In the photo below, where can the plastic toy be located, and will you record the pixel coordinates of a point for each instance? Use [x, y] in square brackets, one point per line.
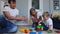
[40, 32]
[32, 33]
[32, 29]
[24, 30]
[39, 27]
[49, 31]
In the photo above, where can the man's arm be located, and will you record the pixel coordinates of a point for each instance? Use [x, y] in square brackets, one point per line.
[6, 13]
[21, 17]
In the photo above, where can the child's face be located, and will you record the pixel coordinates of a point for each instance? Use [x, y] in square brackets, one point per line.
[34, 12]
[45, 17]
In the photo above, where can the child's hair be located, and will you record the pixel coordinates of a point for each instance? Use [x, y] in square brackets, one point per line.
[46, 13]
[31, 10]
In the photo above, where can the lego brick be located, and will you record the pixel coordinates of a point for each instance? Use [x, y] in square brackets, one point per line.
[32, 33]
[40, 32]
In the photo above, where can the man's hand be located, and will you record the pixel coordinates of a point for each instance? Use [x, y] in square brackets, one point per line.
[23, 18]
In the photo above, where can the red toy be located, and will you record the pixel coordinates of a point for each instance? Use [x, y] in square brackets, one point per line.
[39, 27]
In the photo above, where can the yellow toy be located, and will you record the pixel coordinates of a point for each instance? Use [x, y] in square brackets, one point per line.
[24, 30]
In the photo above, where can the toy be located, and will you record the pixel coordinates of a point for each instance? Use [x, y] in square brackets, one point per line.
[32, 33]
[24, 30]
[40, 32]
[39, 27]
[49, 31]
[32, 29]
[57, 31]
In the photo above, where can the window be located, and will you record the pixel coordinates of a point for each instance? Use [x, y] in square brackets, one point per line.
[35, 4]
[56, 4]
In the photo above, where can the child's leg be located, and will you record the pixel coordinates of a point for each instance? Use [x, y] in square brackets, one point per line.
[44, 26]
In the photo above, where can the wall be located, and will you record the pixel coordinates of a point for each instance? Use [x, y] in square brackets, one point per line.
[22, 5]
[45, 5]
[1, 6]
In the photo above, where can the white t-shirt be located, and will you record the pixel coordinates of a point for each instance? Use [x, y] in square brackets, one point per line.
[49, 22]
[13, 12]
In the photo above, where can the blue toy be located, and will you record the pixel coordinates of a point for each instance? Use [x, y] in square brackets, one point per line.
[40, 32]
[32, 29]
[32, 33]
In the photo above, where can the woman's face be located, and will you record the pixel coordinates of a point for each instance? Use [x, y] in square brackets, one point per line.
[34, 12]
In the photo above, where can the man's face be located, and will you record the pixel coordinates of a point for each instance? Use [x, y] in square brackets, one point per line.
[13, 5]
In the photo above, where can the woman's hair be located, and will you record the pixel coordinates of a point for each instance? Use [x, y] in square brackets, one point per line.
[40, 17]
[31, 10]
[46, 13]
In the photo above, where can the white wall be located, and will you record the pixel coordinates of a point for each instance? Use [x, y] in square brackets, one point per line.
[22, 5]
[51, 6]
[45, 5]
[1, 6]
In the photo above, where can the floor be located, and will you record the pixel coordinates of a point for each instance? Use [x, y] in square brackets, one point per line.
[43, 32]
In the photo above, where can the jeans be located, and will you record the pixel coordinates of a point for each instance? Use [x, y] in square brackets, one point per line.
[8, 27]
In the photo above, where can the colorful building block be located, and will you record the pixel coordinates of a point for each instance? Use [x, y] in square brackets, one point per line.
[39, 27]
[32, 33]
[40, 32]
[32, 29]
[22, 29]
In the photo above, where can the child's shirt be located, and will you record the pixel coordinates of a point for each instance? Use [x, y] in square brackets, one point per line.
[48, 23]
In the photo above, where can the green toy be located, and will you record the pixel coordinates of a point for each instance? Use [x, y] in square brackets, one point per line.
[39, 27]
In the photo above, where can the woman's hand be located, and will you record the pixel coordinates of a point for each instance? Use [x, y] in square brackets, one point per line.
[39, 22]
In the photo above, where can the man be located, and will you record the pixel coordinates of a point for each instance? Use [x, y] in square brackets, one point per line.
[12, 14]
